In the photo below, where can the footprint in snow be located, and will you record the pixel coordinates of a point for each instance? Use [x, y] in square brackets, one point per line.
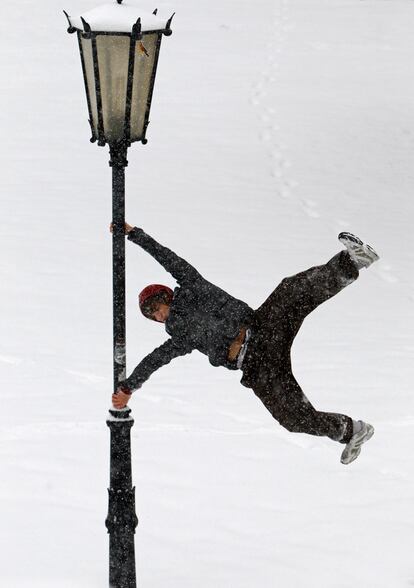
[285, 192]
[277, 173]
[309, 207]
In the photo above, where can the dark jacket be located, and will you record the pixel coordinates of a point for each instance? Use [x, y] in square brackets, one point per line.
[202, 316]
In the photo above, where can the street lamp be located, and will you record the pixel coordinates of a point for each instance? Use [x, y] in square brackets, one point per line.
[119, 48]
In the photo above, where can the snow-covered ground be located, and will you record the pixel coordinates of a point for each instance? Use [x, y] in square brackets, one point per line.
[275, 125]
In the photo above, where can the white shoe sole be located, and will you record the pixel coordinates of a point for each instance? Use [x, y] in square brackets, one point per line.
[362, 253]
[353, 447]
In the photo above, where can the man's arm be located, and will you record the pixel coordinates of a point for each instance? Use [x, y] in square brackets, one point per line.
[156, 359]
[152, 362]
[180, 269]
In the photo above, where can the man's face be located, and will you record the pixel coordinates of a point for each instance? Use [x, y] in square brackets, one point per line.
[161, 312]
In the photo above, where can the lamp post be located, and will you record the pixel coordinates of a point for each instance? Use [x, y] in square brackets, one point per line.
[119, 49]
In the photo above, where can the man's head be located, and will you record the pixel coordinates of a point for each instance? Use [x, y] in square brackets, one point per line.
[154, 302]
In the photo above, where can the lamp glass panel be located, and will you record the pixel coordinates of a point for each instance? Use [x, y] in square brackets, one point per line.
[144, 65]
[90, 80]
[113, 58]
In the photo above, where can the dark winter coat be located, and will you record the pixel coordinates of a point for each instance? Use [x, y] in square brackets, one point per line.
[202, 316]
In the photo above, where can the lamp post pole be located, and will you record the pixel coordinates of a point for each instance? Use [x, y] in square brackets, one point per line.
[118, 162]
[121, 520]
[119, 50]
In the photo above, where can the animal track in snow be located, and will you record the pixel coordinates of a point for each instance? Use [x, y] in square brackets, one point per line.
[270, 131]
[310, 208]
[264, 88]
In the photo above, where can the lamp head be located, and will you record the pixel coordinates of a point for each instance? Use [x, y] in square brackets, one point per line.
[119, 49]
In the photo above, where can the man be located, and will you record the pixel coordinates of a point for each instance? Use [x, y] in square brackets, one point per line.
[199, 315]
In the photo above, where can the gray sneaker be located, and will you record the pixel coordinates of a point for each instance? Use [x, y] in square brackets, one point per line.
[361, 253]
[353, 447]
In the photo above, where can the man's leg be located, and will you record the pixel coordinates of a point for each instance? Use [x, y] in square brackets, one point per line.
[267, 368]
[298, 295]
[278, 319]
[310, 288]
[285, 400]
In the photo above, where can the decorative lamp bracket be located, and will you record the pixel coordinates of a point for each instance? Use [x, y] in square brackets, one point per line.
[136, 30]
[87, 34]
[71, 28]
[168, 30]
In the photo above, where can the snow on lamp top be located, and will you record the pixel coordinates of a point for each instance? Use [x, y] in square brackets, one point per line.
[119, 18]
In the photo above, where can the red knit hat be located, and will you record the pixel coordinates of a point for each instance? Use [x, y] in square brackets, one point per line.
[150, 291]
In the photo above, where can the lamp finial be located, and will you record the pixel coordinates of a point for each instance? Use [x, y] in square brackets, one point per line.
[71, 28]
[86, 25]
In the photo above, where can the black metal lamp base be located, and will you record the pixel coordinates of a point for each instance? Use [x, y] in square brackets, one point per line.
[121, 521]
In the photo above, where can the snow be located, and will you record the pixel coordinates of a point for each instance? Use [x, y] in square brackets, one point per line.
[273, 128]
[119, 18]
[117, 419]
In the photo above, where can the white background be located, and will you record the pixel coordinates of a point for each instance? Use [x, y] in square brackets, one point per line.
[274, 126]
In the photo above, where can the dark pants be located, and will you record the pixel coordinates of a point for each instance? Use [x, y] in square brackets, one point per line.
[267, 365]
